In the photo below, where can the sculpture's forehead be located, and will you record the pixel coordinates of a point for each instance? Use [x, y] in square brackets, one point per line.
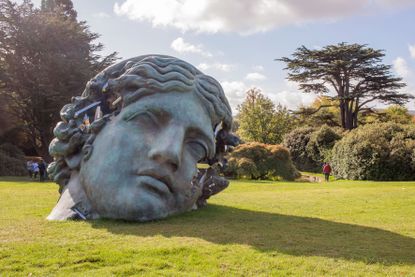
[184, 108]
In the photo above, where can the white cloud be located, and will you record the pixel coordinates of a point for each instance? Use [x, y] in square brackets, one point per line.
[101, 15]
[401, 67]
[412, 50]
[181, 46]
[219, 66]
[255, 76]
[244, 16]
[258, 68]
[292, 99]
[235, 92]
[223, 66]
[203, 66]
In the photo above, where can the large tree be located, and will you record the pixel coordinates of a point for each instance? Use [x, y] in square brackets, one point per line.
[260, 120]
[46, 57]
[353, 72]
[323, 111]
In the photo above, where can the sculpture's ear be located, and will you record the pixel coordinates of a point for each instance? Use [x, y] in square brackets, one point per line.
[87, 151]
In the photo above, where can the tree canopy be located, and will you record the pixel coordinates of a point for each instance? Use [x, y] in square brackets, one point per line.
[260, 120]
[46, 57]
[61, 6]
[353, 72]
[323, 111]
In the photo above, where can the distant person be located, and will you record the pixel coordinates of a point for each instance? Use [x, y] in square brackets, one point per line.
[29, 168]
[326, 171]
[42, 170]
[35, 169]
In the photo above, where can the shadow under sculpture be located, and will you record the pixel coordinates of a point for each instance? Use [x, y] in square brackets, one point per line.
[128, 147]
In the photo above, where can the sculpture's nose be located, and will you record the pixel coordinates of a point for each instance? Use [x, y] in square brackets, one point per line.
[167, 147]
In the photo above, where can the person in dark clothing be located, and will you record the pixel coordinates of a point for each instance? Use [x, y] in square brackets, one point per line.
[326, 171]
[42, 170]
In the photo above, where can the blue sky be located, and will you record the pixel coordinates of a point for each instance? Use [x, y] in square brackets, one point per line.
[236, 41]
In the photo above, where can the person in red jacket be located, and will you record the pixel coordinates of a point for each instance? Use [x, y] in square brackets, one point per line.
[326, 171]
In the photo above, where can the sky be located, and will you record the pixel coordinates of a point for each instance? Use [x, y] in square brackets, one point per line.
[237, 41]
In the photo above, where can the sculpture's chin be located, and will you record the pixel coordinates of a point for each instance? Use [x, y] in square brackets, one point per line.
[140, 205]
[140, 202]
[73, 202]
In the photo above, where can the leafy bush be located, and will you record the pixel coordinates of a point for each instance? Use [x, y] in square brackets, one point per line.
[381, 151]
[296, 141]
[261, 161]
[321, 142]
[12, 161]
[310, 147]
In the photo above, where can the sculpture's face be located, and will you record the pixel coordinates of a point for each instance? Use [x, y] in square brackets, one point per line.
[142, 163]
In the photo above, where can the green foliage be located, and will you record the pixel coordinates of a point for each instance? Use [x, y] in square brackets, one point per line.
[261, 121]
[46, 57]
[383, 151]
[397, 114]
[393, 113]
[321, 142]
[324, 110]
[261, 161]
[354, 71]
[16, 136]
[12, 161]
[310, 147]
[59, 6]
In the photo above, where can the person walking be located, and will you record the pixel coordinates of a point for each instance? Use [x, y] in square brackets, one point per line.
[326, 171]
[42, 170]
[35, 169]
[29, 168]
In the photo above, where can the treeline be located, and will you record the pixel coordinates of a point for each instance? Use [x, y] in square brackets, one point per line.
[339, 127]
[382, 147]
[46, 57]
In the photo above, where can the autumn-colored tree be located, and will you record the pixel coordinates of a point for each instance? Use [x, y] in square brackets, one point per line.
[323, 111]
[261, 161]
[397, 114]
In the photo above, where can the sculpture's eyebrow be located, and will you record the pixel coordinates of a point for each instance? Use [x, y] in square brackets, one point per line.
[160, 114]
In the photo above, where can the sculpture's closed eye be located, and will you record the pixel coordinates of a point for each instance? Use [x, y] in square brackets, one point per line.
[144, 117]
[198, 149]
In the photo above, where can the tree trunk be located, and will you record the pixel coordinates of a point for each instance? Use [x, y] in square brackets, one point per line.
[355, 113]
[348, 116]
[43, 149]
[355, 123]
[342, 114]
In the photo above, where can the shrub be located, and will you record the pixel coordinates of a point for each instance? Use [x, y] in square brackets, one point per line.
[296, 141]
[379, 151]
[280, 163]
[321, 142]
[12, 161]
[261, 161]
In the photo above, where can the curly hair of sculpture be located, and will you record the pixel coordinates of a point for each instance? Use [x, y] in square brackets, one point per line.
[129, 146]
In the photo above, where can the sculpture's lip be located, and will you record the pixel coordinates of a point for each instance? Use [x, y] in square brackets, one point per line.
[159, 181]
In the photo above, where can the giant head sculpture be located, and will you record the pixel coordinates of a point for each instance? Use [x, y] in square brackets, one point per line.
[129, 146]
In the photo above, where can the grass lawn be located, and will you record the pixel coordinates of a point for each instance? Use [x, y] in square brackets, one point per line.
[253, 228]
